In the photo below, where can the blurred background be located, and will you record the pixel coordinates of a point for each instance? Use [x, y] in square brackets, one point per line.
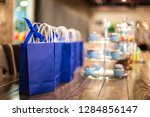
[114, 48]
[84, 15]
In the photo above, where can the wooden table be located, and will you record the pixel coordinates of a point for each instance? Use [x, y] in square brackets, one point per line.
[135, 87]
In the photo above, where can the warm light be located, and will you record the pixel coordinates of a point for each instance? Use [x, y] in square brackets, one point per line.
[124, 0]
[24, 3]
[98, 1]
[18, 9]
[138, 25]
[118, 25]
[129, 28]
[145, 25]
[108, 23]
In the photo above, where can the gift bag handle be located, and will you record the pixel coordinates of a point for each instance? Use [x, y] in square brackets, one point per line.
[55, 34]
[33, 31]
[64, 32]
[40, 27]
[50, 33]
[78, 35]
[72, 34]
[43, 30]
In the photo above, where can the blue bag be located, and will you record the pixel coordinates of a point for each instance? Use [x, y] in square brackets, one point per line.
[81, 56]
[75, 55]
[67, 62]
[75, 36]
[78, 51]
[74, 50]
[38, 72]
[68, 56]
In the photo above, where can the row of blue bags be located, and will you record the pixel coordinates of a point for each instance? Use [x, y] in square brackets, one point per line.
[45, 63]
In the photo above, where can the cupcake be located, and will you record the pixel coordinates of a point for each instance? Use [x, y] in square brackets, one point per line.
[93, 37]
[108, 53]
[93, 54]
[118, 70]
[116, 55]
[89, 70]
[114, 37]
[96, 66]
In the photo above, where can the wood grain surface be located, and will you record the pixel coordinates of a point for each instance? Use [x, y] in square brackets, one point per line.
[88, 90]
[139, 79]
[8, 86]
[135, 87]
[114, 89]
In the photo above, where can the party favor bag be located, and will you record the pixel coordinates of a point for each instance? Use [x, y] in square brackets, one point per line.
[68, 57]
[58, 55]
[81, 53]
[75, 37]
[80, 49]
[73, 41]
[37, 64]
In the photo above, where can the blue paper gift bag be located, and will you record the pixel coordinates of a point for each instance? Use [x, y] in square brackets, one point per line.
[36, 71]
[81, 53]
[40, 65]
[58, 62]
[78, 54]
[67, 62]
[74, 54]
[78, 51]
[40, 68]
